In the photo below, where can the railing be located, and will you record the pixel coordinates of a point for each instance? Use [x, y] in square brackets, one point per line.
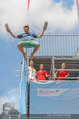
[55, 69]
[57, 45]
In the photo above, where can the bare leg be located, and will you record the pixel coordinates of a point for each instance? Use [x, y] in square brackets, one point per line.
[35, 49]
[22, 50]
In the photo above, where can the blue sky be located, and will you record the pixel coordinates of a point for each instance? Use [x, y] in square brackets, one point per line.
[10, 55]
[66, 3]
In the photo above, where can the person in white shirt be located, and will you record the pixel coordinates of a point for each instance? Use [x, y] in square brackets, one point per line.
[32, 72]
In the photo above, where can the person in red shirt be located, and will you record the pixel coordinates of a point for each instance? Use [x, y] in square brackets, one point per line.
[42, 73]
[62, 72]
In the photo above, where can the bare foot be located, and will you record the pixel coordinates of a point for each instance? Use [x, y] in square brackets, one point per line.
[24, 56]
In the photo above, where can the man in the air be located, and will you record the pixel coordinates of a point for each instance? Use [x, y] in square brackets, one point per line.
[27, 39]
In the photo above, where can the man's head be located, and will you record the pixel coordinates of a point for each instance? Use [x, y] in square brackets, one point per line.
[31, 63]
[41, 66]
[26, 29]
[63, 65]
[6, 108]
[14, 113]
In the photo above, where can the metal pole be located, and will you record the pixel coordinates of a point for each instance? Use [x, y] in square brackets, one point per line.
[64, 78]
[67, 70]
[28, 91]
[66, 58]
[21, 73]
[28, 99]
[53, 65]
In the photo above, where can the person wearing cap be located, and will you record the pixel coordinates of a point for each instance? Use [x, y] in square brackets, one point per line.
[27, 40]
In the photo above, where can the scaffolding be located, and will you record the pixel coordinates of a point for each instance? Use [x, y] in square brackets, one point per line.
[65, 49]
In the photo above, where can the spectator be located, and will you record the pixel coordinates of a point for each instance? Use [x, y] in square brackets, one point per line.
[62, 73]
[32, 72]
[42, 73]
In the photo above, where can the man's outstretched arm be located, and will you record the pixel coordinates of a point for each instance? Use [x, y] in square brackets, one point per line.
[39, 36]
[13, 35]
[44, 28]
[9, 31]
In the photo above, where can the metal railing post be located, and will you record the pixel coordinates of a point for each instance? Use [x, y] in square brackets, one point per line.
[21, 74]
[28, 91]
[53, 69]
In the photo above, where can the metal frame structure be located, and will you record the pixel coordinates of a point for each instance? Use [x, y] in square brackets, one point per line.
[21, 74]
[45, 55]
[28, 91]
[53, 71]
[53, 77]
[58, 45]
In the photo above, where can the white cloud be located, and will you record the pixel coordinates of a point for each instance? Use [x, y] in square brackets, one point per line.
[15, 13]
[12, 97]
